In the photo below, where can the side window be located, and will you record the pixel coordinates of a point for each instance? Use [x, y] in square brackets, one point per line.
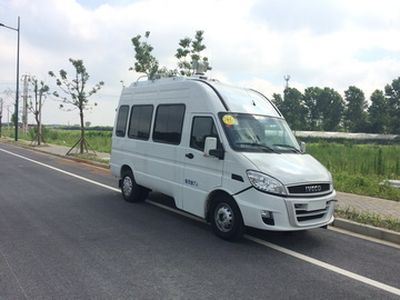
[202, 127]
[140, 122]
[122, 120]
[168, 123]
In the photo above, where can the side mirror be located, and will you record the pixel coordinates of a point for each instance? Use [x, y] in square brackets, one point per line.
[303, 147]
[211, 148]
[210, 144]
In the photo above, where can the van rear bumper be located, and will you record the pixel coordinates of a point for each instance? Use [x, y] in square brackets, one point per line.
[277, 213]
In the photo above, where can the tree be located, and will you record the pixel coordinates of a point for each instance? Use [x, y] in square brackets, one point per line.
[148, 64]
[40, 92]
[392, 92]
[277, 100]
[192, 47]
[145, 61]
[355, 115]
[377, 112]
[13, 118]
[331, 106]
[76, 95]
[314, 114]
[293, 108]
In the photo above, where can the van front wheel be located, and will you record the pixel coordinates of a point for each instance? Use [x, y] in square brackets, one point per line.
[131, 191]
[226, 219]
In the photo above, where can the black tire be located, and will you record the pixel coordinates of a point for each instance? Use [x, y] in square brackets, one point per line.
[131, 191]
[226, 219]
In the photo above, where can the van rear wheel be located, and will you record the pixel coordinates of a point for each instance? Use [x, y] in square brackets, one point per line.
[131, 191]
[226, 219]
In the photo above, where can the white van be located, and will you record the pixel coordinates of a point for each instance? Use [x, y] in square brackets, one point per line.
[223, 153]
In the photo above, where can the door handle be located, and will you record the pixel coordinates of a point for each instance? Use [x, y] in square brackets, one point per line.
[189, 155]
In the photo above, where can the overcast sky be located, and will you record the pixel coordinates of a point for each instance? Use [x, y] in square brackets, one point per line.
[334, 43]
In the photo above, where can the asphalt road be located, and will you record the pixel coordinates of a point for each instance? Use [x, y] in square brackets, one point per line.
[63, 236]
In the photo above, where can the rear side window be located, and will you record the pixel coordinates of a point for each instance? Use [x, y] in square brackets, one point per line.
[140, 122]
[202, 127]
[122, 120]
[168, 123]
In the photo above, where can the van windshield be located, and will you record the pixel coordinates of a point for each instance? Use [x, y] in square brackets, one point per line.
[258, 133]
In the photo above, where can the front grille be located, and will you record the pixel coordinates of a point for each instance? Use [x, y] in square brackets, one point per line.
[303, 215]
[310, 188]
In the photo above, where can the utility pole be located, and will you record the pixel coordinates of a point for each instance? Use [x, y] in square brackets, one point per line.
[25, 79]
[286, 78]
[17, 81]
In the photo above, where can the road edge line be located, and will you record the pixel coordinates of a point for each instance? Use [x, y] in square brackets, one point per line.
[368, 230]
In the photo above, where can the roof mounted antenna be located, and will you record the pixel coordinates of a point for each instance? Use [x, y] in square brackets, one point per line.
[200, 67]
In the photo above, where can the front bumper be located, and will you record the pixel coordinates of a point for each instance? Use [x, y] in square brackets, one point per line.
[288, 213]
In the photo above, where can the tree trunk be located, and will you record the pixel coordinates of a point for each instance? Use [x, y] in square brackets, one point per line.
[82, 140]
[40, 136]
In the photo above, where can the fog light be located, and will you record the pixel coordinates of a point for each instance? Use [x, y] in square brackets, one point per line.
[267, 217]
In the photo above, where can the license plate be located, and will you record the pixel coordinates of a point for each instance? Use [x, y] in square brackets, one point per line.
[316, 205]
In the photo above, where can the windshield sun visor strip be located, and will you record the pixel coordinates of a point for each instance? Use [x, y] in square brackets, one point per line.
[272, 103]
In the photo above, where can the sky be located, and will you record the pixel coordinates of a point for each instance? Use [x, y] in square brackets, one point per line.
[250, 43]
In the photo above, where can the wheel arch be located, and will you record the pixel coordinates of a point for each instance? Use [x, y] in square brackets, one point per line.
[125, 168]
[212, 197]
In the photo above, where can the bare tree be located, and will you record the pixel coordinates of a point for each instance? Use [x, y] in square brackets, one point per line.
[40, 92]
[145, 61]
[76, 96]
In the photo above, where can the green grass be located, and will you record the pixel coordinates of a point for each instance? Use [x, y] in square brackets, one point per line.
[360, 168]
[369, 218]
[100, 141]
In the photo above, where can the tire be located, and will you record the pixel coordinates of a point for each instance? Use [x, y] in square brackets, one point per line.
[226, 219]
[131, 191]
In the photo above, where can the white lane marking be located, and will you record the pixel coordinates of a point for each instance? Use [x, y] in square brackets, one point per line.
[327, 266]
[275, 247]
[62, 171]
[14, 275]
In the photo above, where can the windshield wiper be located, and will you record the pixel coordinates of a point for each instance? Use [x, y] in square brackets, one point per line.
[261, 146]
[294, 149]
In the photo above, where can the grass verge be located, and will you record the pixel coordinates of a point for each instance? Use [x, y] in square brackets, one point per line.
[368, 218]
[367, 185]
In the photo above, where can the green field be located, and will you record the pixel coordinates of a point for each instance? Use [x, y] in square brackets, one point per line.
[100, 141]
[356, 168]
[360, 168]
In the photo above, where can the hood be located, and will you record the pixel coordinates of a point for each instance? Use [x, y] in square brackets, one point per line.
[290, 168]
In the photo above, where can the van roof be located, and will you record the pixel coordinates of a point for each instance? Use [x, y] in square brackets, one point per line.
[233, 98]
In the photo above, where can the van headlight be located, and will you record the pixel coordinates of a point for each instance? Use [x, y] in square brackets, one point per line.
[265, 183]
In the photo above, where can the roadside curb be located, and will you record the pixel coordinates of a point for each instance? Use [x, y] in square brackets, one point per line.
[368, 230]
[80, 160]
